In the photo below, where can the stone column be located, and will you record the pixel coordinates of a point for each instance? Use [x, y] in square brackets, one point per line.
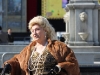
[83, 22]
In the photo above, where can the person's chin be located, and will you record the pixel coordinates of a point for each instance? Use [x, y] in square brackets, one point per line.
[36, 39]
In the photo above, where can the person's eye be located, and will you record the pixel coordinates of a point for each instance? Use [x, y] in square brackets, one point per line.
[38, 29]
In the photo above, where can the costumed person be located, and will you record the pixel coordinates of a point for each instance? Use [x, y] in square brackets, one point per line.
[10, 36]
[45, 55]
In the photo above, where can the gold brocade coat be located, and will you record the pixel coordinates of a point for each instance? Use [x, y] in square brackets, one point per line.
[63, 54]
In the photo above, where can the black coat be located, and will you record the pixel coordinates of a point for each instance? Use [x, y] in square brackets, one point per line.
[10, 38]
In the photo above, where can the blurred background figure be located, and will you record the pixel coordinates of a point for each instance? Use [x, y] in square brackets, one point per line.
[59, 35]
[3, 37]
[10, 36]
[0, 30]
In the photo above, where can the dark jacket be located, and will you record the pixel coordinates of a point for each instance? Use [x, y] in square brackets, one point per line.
[10, 38]
[3, 38]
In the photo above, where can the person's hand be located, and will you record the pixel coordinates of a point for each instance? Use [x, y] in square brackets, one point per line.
[53, 71]
[6, 69]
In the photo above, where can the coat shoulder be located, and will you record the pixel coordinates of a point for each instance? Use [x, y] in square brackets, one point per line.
[59, 43]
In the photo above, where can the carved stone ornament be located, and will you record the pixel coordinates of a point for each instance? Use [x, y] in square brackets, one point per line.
[83, 16]
[66, 17]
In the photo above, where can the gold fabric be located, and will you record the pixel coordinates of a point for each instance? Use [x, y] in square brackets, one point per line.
[41, 64]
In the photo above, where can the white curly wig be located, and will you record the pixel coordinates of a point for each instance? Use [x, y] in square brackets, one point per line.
[43, 22]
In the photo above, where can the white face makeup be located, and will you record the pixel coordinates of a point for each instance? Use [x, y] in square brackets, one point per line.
[37, 33]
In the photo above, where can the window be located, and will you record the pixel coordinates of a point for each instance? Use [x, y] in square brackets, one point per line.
[14, 15]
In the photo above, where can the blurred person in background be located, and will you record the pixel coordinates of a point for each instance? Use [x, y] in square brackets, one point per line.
[60, 37]
[10, 36]
[3, 37]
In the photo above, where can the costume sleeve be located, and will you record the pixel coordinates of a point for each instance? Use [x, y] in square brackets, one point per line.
[70, 63]
[15, 62]
[15, 66]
